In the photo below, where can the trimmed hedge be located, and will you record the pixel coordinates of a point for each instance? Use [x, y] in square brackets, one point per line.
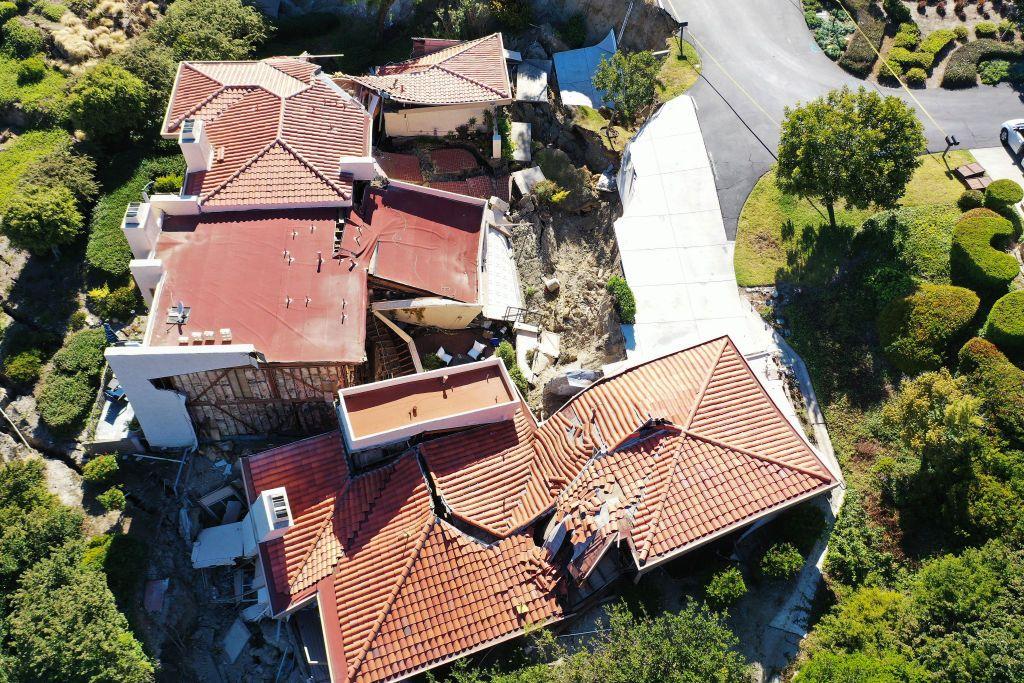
[936, 41]
[973, 258]
[908, 59]
[65, 401]
[916, 331]
[625, 303]
[82, 353]
[1003, 193]
[1005, 324]
[998, 382]
[859, 57]
[971, 199]
[962, 67]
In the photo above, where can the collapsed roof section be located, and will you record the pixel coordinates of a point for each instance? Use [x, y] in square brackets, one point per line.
[658, 459]
[278, 132]
[445, 72]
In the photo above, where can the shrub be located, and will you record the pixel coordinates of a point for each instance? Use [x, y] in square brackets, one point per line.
[622, 295]
[64, 401]
[974, 259]
[112, 499]
[574, 30]
[917, 330]
[916, 76]
[812, 19]
[908, 59]
[993, 71]
[117, 304]
[108, 102]
[725, 588]
[1003, 193]
[546, 190]
[960, 32]
[985, 29]
[909, 36]
[859, 57]
[40, 218]
[936, 41]
[53, 11]
[210, 29]
[23, 367]
[512, 15]
[896, 11]
[962, 67]
[431, 361]
[970, 199]
[100, 469]
[78, 320]
[82, 353]
[168, 184]
[305, 25]
[21, 39]
[31, 70]
[781, 561]
[507, 353]
[1005, 324]
[7, 11]
[998, 382]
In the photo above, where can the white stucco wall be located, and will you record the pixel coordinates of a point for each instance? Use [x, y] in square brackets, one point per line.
[162, 413]
[434, 121]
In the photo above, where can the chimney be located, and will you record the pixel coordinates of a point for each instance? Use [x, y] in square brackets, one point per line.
[195, 146]
[271, 514]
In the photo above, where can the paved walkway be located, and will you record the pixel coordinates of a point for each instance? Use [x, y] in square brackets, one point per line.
[999, 164]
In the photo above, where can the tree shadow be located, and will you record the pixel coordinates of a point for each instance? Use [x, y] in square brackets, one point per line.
[46, 292]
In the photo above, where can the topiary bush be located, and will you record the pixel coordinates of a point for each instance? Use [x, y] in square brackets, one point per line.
[622, 295]
[82, 353]
[23, 367]
[859, 57]
[781, 561]
[916, 76]
[908, 59]
[998, 382]
[100, 469]
[20, 39]
[7, 11]
[971, 199]
[936, 41]
[1005, 324]
[962, 67]
[974, 258]
[725, 588]
[916, 331]
[64, 401]
[985, 29]
[1003, 193]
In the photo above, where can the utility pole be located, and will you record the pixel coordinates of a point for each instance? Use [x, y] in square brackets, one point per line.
[682, 27]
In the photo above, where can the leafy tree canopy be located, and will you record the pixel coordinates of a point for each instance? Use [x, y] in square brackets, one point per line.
[210, 29]
[108, 102]
[629, 81]
[855, 146]
[41, 217]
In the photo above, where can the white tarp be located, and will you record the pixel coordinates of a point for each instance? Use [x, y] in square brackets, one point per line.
[675, 254]
[575, 70]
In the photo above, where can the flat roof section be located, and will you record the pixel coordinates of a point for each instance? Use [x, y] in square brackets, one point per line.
[269, 278]
[443, 394]
[419, 240]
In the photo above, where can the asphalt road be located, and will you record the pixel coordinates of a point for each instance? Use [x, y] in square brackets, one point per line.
[758, 58]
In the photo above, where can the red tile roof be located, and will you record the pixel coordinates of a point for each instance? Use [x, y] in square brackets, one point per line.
[660, 457]
[472, 71]
[452, 160]
[278, 127]
[401, 166]
[230, 269]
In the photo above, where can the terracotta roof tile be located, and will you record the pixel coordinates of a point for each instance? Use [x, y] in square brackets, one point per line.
[278, 121]
[452, 160]
[472, 71]
[619, 464]
[401, 166]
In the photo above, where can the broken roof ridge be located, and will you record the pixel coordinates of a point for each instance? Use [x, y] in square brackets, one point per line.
[827, 478]
[457, 49]
[426, 529]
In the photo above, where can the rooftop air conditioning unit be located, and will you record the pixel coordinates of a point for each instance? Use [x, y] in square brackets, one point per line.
[271, 514]
[131, 214]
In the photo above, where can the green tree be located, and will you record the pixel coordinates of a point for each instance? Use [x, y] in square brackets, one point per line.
[39, 218]
[629, 82]
[210, 29]
[108, 102]
[65, 626]
[64, 166]
[843, 667]
[855, 146]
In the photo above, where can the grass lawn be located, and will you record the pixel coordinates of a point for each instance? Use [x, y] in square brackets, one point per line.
[18, 155]
[678, 73]
[591, 119]
[781, 237]
[43, 97]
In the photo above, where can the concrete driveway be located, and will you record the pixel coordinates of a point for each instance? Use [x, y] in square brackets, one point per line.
[758, 58]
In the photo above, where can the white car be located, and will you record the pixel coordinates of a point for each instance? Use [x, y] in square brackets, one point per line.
[1012, 134]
